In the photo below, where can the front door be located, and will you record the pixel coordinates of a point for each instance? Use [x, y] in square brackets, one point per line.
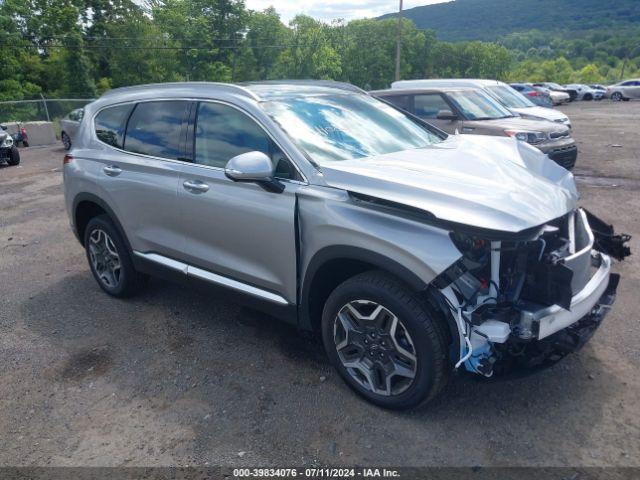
[239, 232]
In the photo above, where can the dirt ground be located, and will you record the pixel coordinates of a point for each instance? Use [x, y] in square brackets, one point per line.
[175, 377]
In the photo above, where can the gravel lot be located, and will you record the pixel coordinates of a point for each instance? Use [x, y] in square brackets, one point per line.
[176, 377]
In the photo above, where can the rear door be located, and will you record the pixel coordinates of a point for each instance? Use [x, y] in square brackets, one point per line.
[238, 234]
[427, 105]
[140, 173]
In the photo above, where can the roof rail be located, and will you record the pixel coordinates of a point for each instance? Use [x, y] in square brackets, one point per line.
[319, 83]
[229, 86]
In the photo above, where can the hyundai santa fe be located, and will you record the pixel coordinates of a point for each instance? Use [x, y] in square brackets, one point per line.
[411, 253]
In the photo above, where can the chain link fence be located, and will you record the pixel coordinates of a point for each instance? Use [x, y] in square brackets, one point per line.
[43, 109]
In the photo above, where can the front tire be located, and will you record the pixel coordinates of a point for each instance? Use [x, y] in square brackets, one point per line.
[386, 342]
[14, 156]
[616, 96]
[109, 258]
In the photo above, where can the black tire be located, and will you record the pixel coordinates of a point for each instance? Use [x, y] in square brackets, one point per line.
[616, 96]
[66, 141]
[588, 97]
[425, 328]
[128, 280]
[14, 156]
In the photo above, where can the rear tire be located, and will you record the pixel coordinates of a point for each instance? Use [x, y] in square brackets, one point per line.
[588, 97]
[109, 258]
[388, 345]
[14, 156]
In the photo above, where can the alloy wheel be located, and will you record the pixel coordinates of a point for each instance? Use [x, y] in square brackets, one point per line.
[375, 347]
[104, 258]
[617, 96]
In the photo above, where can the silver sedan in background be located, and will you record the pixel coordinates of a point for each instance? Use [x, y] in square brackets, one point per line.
[69, 126]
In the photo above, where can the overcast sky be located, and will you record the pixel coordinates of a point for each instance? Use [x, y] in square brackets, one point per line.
[330, 9]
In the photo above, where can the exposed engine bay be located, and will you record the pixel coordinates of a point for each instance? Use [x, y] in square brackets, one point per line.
[530, 299]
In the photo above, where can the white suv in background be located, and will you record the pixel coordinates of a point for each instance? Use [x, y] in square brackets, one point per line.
[510, 98]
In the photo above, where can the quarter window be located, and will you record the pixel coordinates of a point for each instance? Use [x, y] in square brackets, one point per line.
[222, 132]
[110, 124]
[155, 129]
[428, 106]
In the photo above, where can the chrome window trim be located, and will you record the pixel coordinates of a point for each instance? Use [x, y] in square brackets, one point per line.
[304, 180]
[192, 271]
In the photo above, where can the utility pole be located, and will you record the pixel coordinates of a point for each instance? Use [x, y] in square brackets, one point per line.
[398, 41]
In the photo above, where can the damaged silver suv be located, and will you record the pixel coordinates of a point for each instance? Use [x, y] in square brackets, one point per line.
[412, 253]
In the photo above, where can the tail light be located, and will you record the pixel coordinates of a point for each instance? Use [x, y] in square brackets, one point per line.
[67, 159]
[532, 93]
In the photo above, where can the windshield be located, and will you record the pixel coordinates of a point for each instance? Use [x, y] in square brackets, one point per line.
[476, 105]
[509, 97]
[331, 127]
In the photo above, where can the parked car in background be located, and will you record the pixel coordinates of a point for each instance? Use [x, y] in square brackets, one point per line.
[585, 92]
[602, 88]
[69, 127]
[507, 96]
[624, 90]
[538, 95]
[409, 252]
[471, 110]
[9, 152]
[556, 87]
[559, 98]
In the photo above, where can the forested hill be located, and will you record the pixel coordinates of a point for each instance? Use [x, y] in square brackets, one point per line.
[490, 19]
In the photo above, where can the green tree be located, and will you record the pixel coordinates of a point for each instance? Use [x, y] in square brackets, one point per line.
[266, 33]
[589, 74]
[310, 54]
[78, 76]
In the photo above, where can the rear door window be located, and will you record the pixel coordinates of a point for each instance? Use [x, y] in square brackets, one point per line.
[155, 129]
[400, 101]
[110, 124]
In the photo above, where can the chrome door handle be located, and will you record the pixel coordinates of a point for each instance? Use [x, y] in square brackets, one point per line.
[195, 186]
[112, 170]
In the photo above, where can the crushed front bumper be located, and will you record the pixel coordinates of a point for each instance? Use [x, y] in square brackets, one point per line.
[547, 321]
[540, 354]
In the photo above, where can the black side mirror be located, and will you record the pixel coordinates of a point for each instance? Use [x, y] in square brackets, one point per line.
[446, 115]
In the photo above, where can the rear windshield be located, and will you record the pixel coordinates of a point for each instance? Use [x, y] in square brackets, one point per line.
[509, 97]
[477, 105]
[333, 127]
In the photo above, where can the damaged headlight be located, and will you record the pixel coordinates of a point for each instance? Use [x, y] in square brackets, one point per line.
[532, 138]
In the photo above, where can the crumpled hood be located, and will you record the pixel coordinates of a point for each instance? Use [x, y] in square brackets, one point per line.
[482, 181]
[540, 112]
